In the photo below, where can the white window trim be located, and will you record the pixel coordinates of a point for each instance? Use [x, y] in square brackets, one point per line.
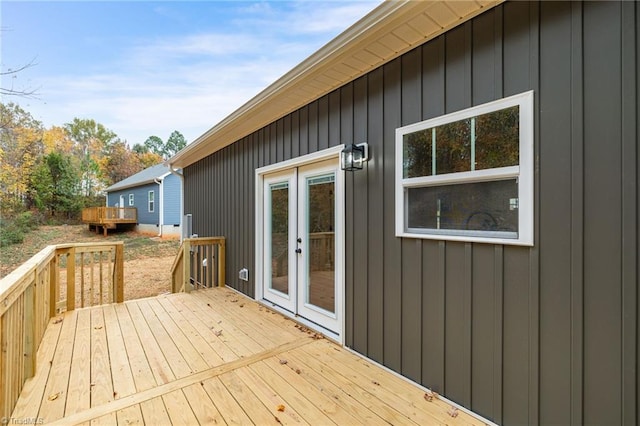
[523, 172]
[151, 204]
[131, 200]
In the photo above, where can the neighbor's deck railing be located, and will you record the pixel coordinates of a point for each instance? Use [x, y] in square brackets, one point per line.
[100, 215]
[56, 279]
[199, 263]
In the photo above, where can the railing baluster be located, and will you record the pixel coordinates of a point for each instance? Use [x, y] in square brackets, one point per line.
[29, 328]
[189, 263]
[119, 268]
[221, 262]
[81, 280]
[92, 284]
[71, 279]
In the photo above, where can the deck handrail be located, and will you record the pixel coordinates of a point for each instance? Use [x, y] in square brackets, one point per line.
[57, 278]
[106, 214]
[200, 262]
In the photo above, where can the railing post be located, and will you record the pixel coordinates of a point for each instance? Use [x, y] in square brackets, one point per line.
[71, 279]
[5, 410]
[186, 259]
[221, 261]
[118, 281]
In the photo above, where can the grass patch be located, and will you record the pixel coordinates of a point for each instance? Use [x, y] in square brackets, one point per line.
[136, 246]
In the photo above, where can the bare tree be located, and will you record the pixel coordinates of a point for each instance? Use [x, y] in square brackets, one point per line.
[13, 74]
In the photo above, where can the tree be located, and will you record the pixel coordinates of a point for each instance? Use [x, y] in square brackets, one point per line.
[149, 159]
[174, 144]
[155, 144]
[54, 185]
[56, 139]
[92, 142]
[20, 149]
[146, 157]
[140, 149]
[13, 74]
[119, 163]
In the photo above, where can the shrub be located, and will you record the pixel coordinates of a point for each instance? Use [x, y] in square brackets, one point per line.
[10, 234]
[13, 230]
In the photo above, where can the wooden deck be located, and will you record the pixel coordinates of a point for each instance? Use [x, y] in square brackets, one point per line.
[109, 217]
[215, 357]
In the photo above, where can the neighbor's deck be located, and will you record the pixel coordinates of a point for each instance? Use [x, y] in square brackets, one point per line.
[211, 356]
[109, 217]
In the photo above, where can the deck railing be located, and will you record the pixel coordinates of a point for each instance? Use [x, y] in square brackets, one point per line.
[199, 264]
[58, 278]
[99, 215]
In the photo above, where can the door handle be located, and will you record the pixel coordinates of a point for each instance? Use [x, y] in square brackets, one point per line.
[298, 250]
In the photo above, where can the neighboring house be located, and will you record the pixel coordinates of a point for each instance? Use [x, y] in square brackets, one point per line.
[157, 194]
[489, 248]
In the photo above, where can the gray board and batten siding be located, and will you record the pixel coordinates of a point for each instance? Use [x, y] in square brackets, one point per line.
[521, 335]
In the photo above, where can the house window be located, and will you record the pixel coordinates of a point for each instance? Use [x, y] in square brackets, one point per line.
[468, 175]
[151, 201]
[131, 199]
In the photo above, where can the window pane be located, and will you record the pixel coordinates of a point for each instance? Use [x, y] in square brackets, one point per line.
[453, 147]
[280, 237]
[490, 140]
[417, 154]
[481, 206]
[497, 139]
[321, 258]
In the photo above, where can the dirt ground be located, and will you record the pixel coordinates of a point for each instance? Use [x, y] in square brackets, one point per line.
[148, 259]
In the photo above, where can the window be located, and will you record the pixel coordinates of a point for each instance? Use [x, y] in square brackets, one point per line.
[130, 200]
[151, 201]
[468, 175]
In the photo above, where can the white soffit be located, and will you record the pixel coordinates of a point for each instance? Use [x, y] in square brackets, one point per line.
[393, 28]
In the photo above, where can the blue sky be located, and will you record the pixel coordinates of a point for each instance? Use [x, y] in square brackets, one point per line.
[146, 68]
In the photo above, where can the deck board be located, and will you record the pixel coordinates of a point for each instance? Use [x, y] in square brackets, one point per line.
[210, 357]
[33, 391]
[79, 388]
[55, 394]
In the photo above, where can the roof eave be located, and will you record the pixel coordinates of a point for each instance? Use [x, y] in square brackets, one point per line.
[381, 21]
[133, 185]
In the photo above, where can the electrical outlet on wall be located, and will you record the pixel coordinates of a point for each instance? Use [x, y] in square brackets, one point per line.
[244, 274]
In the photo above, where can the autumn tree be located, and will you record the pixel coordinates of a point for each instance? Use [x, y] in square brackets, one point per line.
[92, 142]
[119, 163]
[20, 148]
[56, 139]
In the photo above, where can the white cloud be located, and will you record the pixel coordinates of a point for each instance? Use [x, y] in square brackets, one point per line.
[189, 83]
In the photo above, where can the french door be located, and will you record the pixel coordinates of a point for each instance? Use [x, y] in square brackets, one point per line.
[301, 268]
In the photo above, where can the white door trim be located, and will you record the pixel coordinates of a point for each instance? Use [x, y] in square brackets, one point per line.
[326, 154]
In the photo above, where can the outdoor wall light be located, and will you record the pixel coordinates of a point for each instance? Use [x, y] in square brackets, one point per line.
[353, 156]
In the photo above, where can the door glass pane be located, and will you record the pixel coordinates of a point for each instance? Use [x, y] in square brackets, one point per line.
[321, 223]
[280, 236]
